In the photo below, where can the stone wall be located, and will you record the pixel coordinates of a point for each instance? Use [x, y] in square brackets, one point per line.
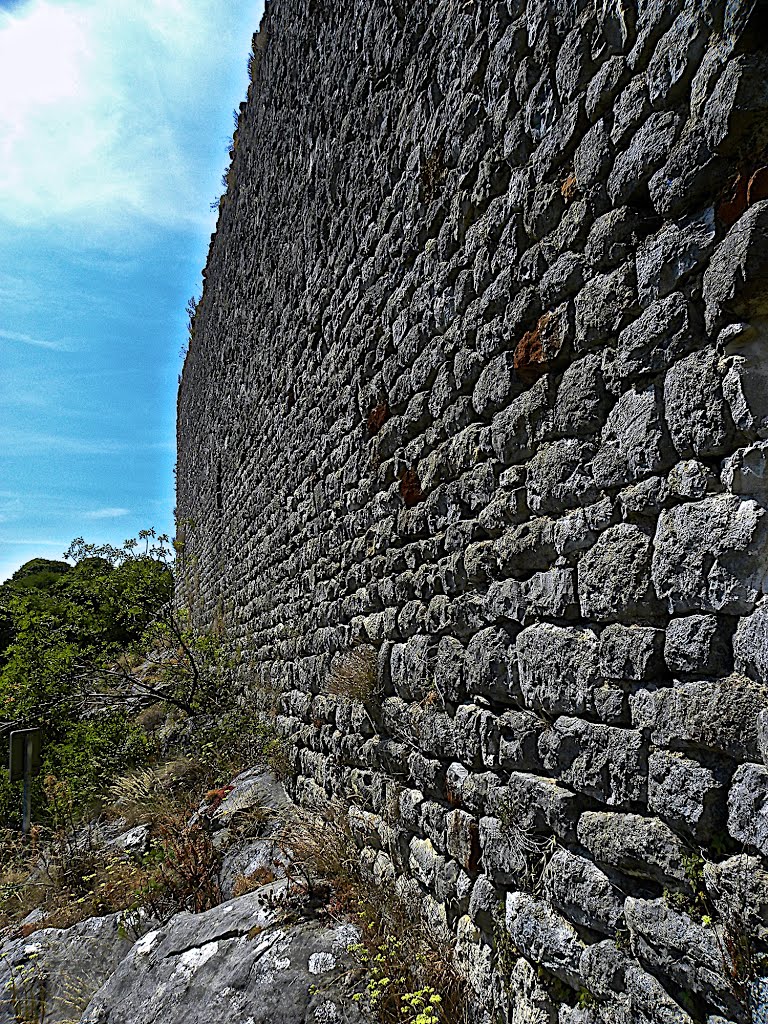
[472, 466]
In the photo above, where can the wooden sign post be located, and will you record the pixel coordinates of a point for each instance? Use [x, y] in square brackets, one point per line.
[23, 764]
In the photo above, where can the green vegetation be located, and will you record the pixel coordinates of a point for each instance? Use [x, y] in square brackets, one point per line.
[97, 656]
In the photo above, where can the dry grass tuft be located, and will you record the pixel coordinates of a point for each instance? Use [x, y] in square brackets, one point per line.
[354, 674]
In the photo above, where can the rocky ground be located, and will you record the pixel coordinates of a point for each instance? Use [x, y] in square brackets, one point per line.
[257, 958]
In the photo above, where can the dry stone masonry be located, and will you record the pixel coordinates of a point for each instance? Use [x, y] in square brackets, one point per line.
[473, 467]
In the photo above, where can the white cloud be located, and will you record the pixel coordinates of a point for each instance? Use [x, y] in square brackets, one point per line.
[25, 443]
[107, 513]
[98, 102]
[25, 339]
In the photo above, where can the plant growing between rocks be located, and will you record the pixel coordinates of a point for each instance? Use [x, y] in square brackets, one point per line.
[411, 976]
[354, 675]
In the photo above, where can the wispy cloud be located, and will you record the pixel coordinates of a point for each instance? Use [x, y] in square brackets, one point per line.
[33, 541]
[96, 100]
[107, 513]
[26, 339]
[23, 443]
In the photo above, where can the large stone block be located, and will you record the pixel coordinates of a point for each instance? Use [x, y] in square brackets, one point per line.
[634, 442]
[411, 667]
[604, 306]
[543, 936]
[673, 254]
[537, 806]
[648, 149]
[559, 477]
[584, 893]
[679, 948]
[660, 335]
[491, 666]
[516, 430]
[750, 645]
[615, 576]
[746, 472]
[712, 556]
[551, 595]
[601, 761]
[697, 414]
[738, 888]
[718, 715]
[582, 403]
[745, 384]
[643, 847]
[698, 645]
[632, 652]
[687, 795]
[518, 746]
[631, 994]
[559, 668]
[736, 281]
[748, 807]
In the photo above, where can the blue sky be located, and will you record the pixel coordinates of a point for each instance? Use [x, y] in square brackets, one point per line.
[114, 123]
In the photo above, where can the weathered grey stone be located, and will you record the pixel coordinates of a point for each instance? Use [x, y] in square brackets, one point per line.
[59, 970]
[691, 479]
[543, 936]
[745, 384]
[527, 548]
[674, 945]
[686, 794]
[644, 847]
[746, 472]
[506, 851]
[698, 645]
[536, 805]
[734, 116]
[697, 414]
[634, 996]
[558, 668]
[491, 666]
[660, 335]
[601, 761]
[581, 404]
[235, 963]
[643, 500]
[518, 746]
[738, 888]
[712, 555]
[449, 669]
[615, 576]
[559, 477]
[484, 904]
[672, 254]
[736, 281]
[462, 839]
[516, 429]
[477, 736]
[633, 442]
[750, 645]
[720, 715]
[648, 149]
[677, 55]
[584, 893]
[632, 652]
[572, 533]
[592, 159]
[604, 306]
[497, 385]
[551, 595]
[748, 807]
[411, 667]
